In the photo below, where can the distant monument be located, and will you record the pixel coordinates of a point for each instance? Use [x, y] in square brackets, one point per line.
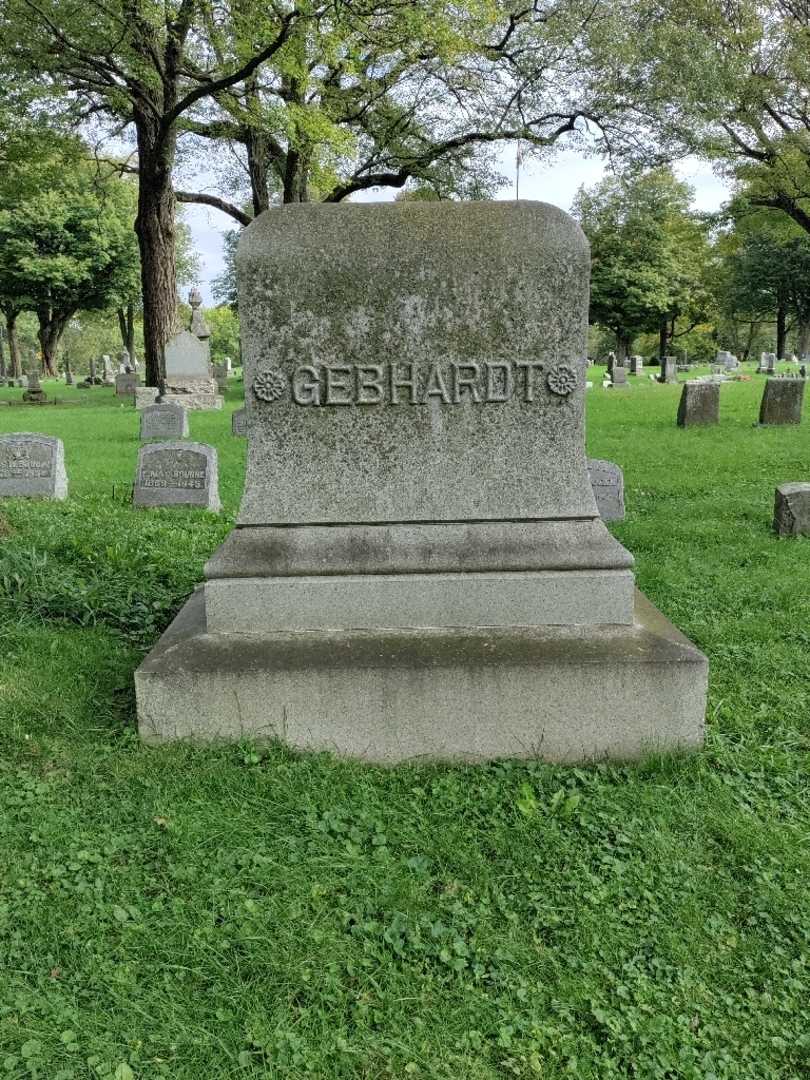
[189, 374]
[419, 569]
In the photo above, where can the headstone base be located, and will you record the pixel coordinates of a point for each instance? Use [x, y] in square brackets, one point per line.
[563, 694]
[197, 402]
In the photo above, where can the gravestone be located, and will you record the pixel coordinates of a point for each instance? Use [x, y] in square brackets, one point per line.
[767, 363]
[124, 362]
[607, 481]
[419, 569]
[803, 371]
[32, 466]
[34, 392]
[239, 422]
[177, 474]
[791, 512]
[699, 404]
[668, 370]
[145, 395]
[107, 377]
[228, 365]
[636, 365]
[611, 363]
[68, 373]
[619, 377]
[221, 376]
[165, 420]
[782, 401]
[126, 384]
[189, 374]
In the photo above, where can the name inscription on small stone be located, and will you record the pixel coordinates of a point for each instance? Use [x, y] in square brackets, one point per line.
[487, 382]
[32, 465]
[177, 474]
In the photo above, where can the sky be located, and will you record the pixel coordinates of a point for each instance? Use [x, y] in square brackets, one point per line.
[555, 182]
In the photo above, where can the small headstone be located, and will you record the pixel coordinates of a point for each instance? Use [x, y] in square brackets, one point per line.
[668, 370]
[126, 383]
[228, 365]
[607, 481]
[177, 474]
[700, 403]
[68, 373]
[124, 362]
[221, 375]
[107, 376]
[34, 393]
[239, 422]
[791, 513]
[619, 376]
[32, 466]
[803, 371]
[611, 361]
[145, 395]
[767, 363]
[165, 420]
[636, 365]
[782, 401]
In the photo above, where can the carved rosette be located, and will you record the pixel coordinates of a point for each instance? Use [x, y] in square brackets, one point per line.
[270, 384]
[562, 380]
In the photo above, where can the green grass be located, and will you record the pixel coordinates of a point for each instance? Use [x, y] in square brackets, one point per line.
[248, 912]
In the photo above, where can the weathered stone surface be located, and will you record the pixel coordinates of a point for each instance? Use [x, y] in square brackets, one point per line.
[32, 466]
[177, 474]
[239, 422]
[619, 377]
[417, 492]
[569, 694]
[126, 383]
[782, 401]
[221, 376]
[767, 363]
[145, 395]
[791, 515]
[187, 357]
[699, 404]
[607, 481]
[636, 365]
[195, 400]
[165, 420]
[338, 436]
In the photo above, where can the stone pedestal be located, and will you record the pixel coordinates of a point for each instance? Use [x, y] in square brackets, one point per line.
[419, 569]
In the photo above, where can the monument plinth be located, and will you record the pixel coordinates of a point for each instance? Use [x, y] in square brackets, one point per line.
[419, 568]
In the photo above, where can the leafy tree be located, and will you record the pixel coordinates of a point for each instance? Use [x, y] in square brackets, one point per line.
[224, 325]
[650, 256]
[66, 239]
[323, 99]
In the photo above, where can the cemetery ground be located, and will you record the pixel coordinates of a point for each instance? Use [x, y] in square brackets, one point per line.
[248, 911]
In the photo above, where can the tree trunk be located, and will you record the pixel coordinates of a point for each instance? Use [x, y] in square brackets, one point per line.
[753, 330]
[155, 229]
[623, 343]
[781, 331]
[126, 326]
[15, 366]
[2, 354]
[51, 328]
[663, 338]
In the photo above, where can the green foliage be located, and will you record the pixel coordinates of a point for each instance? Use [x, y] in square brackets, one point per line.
[224, 324]
[66, 238]
[651, 256]
[245, 911]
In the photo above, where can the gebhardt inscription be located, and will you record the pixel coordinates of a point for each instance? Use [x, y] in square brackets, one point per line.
[454, 383]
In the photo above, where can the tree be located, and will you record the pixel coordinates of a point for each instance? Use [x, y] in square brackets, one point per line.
[649, 256]
[323, 99]
[66, 239]
[766, 273]
[736, 90]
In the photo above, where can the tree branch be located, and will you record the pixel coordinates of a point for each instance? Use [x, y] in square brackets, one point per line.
[203, 199]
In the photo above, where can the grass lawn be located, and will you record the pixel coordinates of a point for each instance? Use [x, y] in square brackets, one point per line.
[248, 912]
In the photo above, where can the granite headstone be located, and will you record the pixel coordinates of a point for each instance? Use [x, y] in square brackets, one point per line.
[791, 515]
[782, 401]
[165, 420]
[419, 568]
[239, 422]
[32, 466]
[699, 404]
[177, 474]
[607, 481]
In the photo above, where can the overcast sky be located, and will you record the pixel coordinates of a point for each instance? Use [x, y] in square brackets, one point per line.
[556, 182]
